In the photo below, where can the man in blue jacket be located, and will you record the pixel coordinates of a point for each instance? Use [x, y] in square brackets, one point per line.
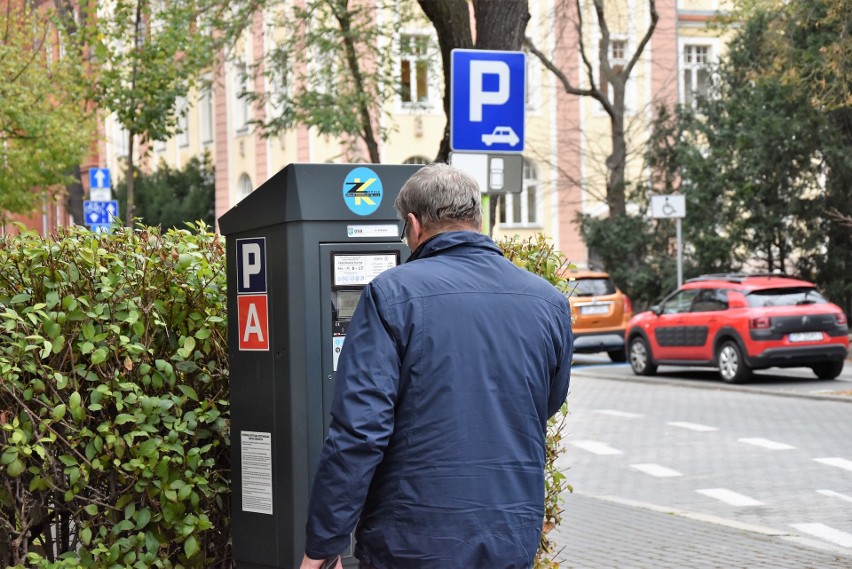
[452, 365]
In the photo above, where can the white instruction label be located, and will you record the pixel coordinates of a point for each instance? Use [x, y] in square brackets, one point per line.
[256, 452]
[361, 269]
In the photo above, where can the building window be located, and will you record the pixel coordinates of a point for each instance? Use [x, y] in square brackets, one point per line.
[417, 160]
[522, 208]
[617, 61]
[241, 89]
[324, 74]
[205, 115]
[532, 83]
[696, 72]
[121, 142]
[244, 187]
[182, 122]
[414, 68]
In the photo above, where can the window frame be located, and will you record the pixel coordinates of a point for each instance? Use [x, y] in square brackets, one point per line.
[242, 108]
[712, 47]
[519, 203]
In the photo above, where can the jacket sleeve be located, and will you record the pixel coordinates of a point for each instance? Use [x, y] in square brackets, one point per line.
[362, 416]
[562, 376]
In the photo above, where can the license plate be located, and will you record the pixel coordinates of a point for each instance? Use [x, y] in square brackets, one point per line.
[594, 309]
[805, 336]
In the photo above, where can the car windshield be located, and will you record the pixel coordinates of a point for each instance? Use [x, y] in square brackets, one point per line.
[591, 287]
[785, 297]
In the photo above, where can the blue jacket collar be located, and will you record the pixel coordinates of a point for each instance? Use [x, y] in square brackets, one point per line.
[443, 242]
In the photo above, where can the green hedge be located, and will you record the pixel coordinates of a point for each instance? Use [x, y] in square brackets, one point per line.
[540, 257]
[113, 400]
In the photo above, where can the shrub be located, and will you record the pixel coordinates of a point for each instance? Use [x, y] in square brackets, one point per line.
[113, 399]
[540, 257]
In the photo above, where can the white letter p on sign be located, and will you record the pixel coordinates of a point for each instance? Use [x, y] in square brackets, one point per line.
[251, 262]
[480, 98]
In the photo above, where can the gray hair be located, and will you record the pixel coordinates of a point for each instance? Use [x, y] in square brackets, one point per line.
[440, 196]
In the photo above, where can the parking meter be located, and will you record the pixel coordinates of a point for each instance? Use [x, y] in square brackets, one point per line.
[300, 249]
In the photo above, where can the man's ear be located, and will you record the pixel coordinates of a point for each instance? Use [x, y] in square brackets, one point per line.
[415, 230]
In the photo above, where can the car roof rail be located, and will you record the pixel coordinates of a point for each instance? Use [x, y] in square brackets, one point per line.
[735, 277]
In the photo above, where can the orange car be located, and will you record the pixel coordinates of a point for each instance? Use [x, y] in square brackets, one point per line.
[601, 312]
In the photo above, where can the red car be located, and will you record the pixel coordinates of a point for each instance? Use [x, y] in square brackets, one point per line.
[737, 323]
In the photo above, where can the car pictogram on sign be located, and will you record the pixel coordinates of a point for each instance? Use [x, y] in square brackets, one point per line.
[501, 135]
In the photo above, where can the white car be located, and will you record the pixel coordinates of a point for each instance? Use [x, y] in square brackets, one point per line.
[501, 135]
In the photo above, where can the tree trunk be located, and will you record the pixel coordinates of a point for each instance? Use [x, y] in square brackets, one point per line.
[501, 25]
[616, 162]
[451, 19]
[128, 218]
[74, 197]
[341, 13]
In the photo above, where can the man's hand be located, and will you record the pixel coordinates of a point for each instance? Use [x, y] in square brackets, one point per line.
[308, 563]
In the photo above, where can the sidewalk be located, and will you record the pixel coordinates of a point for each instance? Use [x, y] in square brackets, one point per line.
[602, 533]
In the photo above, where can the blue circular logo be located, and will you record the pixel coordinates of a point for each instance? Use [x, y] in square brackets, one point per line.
[362, 191]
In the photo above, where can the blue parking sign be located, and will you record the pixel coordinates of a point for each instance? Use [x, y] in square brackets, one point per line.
[487, 100]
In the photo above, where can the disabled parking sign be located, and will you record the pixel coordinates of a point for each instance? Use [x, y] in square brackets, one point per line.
[487, 100]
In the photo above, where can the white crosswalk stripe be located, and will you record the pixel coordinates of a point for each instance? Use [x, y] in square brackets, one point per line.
[838, 462]
[623, 414]
[729, 497]
[766, 443]
[833, 494]
[692, 426]
[827, 533]
[595, 447]
[656, 470]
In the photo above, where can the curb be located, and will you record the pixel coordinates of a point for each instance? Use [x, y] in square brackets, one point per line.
[732, 524]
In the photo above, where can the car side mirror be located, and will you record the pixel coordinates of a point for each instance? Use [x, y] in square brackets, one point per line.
[656, 309]
[737, 300]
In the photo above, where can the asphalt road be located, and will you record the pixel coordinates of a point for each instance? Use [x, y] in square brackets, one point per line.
[772, 457]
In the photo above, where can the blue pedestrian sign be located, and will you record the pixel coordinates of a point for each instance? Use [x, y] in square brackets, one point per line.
[99, 178]
[100, 213]
[487, 100]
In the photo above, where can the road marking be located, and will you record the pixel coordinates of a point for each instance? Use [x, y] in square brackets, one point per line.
[827, 533]
[838, 462]
[833, 494]
[595, 447]
[729, 497]
[624, 414]
[692, 426]
[656, 470]
[766, 443]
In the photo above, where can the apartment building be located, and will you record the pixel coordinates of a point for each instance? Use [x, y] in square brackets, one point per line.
[567, 137]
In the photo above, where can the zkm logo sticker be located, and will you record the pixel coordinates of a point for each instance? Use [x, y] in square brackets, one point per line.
[362, 191]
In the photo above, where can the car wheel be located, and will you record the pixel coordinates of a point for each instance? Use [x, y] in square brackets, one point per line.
[732, 365]
[828, 370]
[617, 356]
[640, 357]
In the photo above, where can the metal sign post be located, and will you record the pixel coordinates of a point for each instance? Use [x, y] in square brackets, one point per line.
[671, 206]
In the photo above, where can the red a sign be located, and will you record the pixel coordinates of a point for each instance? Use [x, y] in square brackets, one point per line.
[253, 316]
